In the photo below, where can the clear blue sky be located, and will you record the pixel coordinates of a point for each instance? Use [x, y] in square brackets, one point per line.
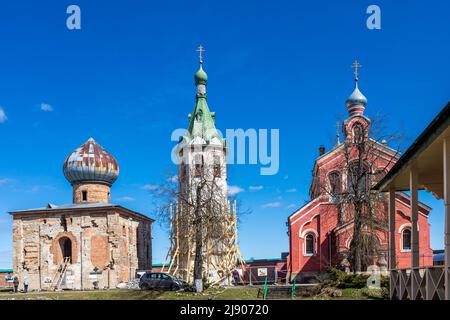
[126, 79]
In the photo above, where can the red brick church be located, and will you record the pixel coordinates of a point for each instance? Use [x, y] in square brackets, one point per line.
[320, 232]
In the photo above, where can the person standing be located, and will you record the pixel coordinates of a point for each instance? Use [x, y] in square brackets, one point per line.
[25, 285]
[16, 284]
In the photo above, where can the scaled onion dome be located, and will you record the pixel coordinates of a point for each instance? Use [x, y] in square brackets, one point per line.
[90, 163]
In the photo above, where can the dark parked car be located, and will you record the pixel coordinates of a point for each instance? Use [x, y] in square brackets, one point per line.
[161, 281]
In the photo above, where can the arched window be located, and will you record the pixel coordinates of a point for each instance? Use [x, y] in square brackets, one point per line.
[406, 239]
[358, 133]
[66, 249]
[309, 244]
[335, 184]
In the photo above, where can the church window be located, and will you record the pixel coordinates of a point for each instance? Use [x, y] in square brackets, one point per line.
[309, 244]
[84, 195]
[64, 223]
[335, 184]
[182, 170]
[217, 166]
[66, 249]
[198, 163]
[358, 133]
[406, 239]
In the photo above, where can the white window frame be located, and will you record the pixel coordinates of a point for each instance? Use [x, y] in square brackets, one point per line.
[314, 237]
[400, 231]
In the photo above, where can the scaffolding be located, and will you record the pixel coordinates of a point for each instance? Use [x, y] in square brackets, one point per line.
[222, 256]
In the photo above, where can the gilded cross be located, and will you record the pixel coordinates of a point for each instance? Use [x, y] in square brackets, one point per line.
[356, 65]
[200, 50]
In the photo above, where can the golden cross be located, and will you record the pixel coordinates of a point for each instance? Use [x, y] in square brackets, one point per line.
[200, 50]
[356, 65]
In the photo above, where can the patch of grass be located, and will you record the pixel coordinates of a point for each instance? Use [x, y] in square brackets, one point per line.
[240, 293]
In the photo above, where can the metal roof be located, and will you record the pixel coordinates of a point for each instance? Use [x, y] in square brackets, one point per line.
[6, 270]
[437, 126]
[439, 257]
[91, 163]
[79, 206]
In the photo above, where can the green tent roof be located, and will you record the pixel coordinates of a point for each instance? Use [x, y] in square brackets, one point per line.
[202, 120]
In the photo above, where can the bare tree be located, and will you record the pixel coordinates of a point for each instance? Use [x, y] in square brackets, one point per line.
[365, 159]
[199, 219]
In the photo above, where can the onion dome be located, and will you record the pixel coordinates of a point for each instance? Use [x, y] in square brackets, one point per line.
[356, 103]
[200, 76]
[90, 163]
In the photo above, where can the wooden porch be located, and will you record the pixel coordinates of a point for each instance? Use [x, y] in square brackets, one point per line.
[424, 166]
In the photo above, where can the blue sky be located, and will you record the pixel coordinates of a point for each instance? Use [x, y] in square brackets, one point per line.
[126, 79]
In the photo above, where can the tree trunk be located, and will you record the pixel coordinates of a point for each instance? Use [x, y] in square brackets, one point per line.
[357, 235]
[198, 260]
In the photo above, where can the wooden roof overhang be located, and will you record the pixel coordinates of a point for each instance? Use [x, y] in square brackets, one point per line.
[426, 155]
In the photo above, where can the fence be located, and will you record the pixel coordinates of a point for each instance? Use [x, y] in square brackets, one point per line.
[418, 283]
[257, 275]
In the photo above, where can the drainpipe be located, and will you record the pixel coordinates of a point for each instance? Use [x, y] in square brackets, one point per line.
[319, 246]
[289, 266]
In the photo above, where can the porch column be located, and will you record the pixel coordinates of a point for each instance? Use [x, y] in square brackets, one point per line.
[447, 215]
[414, 218]
[414, 229]
[392, 257]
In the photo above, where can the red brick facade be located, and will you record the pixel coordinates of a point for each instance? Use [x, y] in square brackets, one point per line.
[318, 235]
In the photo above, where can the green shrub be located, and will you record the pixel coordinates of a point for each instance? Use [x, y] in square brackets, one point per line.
[356, 281]
[343, 280]
[336, 274]
[384, 282]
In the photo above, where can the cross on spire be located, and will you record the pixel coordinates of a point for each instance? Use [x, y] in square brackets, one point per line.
[356, 65]
[338, 134]
[200, 50]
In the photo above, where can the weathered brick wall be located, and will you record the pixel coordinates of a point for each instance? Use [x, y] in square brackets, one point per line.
[104, 247]
[95, 193]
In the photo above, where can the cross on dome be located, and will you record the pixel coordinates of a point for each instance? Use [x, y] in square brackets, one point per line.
[200, 50]
[356, 65]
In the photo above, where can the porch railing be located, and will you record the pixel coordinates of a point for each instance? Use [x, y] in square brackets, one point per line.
[427, 283]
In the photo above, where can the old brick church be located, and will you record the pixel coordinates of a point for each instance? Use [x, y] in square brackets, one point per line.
[320, 232]
[90, 243]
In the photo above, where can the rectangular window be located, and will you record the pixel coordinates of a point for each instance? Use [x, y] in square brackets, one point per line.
[84, 195]
[198, 162]
[217, 166]
[182, 171]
